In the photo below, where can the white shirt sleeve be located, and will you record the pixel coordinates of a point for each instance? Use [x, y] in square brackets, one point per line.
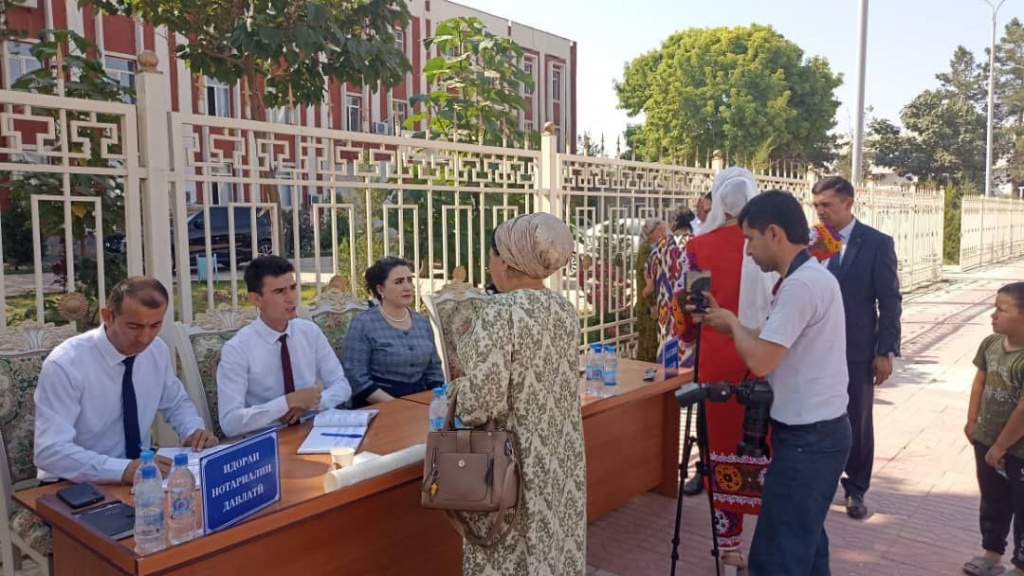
[794, 307]
[232, 383]
[177, 407]
[330, 372]
[57, 409]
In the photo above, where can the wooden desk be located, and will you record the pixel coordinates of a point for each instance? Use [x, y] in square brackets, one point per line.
[376, 527]
[632, 438]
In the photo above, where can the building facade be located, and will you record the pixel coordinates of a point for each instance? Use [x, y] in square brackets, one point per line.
[549, 58]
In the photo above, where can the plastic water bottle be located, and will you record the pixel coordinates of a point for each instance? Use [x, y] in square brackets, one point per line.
[149, 511]
[611, 370]
[181, 502]
[595, 369]
[438, 408]
[146, 457]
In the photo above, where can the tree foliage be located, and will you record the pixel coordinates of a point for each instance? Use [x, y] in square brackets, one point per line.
[476, 84]
[1009, 57]
[291, 47]
[743, 90]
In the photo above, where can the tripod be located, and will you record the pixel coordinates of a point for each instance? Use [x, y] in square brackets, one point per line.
[704, 453]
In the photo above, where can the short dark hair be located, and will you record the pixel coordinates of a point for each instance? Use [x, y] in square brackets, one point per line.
[378, 273]
[780, 208]
[145, 290]
[683, 219]
[264, 266]
[494, 242]
[707, 196]
[1015, 290]
[837, 184]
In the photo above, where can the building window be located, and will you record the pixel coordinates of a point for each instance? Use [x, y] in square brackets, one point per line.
[280, 115]
[556, 84]
[400, 40]
[123, 71]
[528, 127]
[220, 193]
[400, 113]
[354, 113]
[528, 68]
[20, 61]
[218, 98]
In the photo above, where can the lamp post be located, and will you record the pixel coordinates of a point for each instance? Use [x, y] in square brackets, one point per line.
[858, 129]
[991, 96]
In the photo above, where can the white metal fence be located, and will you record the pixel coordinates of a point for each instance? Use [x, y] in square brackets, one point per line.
[991, 230]
[198, 196]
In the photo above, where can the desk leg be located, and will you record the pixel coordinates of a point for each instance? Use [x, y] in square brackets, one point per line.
[669, 485]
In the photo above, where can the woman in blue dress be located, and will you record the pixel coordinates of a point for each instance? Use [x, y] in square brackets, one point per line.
[389, 349]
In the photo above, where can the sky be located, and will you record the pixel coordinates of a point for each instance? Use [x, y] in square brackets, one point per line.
[909, 41]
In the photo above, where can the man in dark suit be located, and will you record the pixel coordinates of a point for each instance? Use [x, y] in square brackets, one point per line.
[868, 277]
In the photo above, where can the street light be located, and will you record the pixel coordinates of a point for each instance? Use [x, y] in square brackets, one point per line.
[858, 128]
[991, 96]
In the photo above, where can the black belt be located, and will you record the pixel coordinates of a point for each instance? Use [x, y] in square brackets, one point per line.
[807, 427]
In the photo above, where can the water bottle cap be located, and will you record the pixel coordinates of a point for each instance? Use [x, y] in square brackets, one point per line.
[595, 346]
[147, 456]
[438, 392]
[148, 472]
[181, 459]
[609, 347]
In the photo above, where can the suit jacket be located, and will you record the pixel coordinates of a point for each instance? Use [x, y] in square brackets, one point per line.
[870, 283]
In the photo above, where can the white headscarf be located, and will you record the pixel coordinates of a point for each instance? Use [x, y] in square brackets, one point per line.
[732, 189]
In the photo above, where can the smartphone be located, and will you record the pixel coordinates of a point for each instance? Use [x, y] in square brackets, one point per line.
[697, 283]
[80, 495]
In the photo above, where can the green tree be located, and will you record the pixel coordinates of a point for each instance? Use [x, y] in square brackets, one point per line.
[476, 84]
[943, 140]
[282, 50]
[744, 90]
[1009, 70]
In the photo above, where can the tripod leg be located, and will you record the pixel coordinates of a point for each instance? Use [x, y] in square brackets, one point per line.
[684, 464]
[704, 450]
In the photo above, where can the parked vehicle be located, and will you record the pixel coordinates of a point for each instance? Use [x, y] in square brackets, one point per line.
[219, 235]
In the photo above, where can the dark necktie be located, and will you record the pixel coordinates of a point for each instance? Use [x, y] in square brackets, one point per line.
[286, 365]
[130, 412]
[834, 262]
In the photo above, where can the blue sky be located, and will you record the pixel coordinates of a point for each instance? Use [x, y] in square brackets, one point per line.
[909, 41]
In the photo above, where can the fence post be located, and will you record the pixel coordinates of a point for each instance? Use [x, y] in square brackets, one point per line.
[153, 92]
[550, 198]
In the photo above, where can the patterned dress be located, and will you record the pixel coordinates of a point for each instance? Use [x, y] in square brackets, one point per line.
[737, 481]
[522, 365]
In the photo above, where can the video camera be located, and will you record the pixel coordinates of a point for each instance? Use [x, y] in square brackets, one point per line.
[755, 395]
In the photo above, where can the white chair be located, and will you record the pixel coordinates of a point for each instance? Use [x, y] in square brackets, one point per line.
[22, 351]
[198, 345]
[453, 309]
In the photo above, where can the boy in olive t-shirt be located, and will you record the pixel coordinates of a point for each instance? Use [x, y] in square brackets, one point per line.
[995, 425]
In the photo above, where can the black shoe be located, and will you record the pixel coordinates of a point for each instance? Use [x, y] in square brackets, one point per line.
[855, 507]
[694, 485]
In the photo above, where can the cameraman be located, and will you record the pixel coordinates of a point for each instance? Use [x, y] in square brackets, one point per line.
[802, 350]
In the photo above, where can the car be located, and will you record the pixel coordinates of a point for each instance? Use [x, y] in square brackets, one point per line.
[612, 237]
[219, 236]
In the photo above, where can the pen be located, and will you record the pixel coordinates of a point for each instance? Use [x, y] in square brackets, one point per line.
[336, 435]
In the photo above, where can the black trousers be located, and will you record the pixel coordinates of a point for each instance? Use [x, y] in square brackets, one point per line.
[861, 461]
[1002, 502]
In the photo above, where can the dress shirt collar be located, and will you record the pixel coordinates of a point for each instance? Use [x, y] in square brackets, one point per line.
[110, 354]
[847, 230]
[268, 334]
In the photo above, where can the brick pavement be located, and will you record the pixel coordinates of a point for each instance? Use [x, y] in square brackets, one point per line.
[923, 500]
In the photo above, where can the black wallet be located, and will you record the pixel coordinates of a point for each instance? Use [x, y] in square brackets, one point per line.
[80, 495]
[115, 519]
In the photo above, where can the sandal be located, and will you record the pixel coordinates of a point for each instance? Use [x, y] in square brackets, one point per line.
[979, 566]
[734, 558]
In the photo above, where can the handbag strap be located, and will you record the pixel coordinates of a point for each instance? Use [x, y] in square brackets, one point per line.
[496, 532]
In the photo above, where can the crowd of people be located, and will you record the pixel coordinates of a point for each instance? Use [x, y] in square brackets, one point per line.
[821, 326]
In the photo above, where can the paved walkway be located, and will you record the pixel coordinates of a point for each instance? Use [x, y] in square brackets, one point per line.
[923, 500]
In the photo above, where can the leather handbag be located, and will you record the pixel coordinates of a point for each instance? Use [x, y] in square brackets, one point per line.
[473, 470]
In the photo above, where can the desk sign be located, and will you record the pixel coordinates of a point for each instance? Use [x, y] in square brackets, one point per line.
[670, 357]
[239, 481]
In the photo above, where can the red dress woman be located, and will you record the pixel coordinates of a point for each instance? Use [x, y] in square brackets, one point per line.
[736, 481]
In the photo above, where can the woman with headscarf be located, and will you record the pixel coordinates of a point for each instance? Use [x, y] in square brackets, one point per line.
[737, 284]
[522, 371]
[663, 282]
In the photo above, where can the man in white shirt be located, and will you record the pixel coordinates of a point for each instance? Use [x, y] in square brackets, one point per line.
[702, 211]
[272, 369]
[99, 392]
[802, 350]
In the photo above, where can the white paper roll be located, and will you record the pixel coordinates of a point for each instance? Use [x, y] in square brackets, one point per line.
[362, 471]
